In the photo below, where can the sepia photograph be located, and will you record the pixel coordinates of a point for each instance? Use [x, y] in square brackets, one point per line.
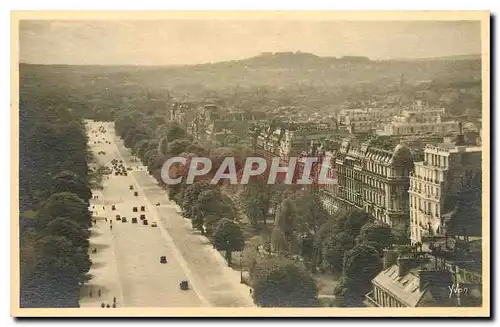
[242, 164]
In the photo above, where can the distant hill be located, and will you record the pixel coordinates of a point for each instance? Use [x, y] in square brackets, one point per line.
[275, 70]
[449, 58]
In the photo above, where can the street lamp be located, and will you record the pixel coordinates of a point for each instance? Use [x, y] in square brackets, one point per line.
[241, 268]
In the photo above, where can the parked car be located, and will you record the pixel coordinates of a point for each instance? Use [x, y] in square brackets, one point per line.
[143, 208]
[124, 219]
[153, 224]
[134, 209]
[144, 222]
[163, 259]
[134, 220]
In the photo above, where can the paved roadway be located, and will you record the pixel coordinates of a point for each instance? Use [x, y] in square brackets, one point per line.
[127, 263]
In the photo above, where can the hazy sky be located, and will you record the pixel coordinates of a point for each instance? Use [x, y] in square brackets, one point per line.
[198, 41]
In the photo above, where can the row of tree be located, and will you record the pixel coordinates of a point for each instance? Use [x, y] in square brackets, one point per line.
[211, 212]
[54, 204]
[304, 236]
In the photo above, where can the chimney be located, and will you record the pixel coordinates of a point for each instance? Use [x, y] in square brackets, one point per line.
[404, 266]
[460, 140]
[390, 258]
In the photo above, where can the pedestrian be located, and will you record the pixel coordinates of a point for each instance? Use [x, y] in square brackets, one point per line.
[106, 219]
[114, 299]
[110, 227]
[107, 306]
[99, 293]
[102, 305]
[90, 293]
[114, 305]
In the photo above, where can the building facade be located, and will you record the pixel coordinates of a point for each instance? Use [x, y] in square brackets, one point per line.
[374, 180]
[445, 170]
[409, 123]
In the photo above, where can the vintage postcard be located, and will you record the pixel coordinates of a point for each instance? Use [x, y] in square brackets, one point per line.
[250, 164]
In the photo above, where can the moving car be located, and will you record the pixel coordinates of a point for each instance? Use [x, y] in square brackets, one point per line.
[184, 285]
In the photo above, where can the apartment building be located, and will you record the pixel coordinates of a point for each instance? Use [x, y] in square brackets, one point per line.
[410, 122]
[446, 170]
[374, 180]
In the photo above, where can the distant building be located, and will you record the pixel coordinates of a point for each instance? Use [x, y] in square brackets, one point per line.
[324, 152]
[445, 170]
[181, 112]
[287, 140]
[364, 120]
[212, 124]
[419, 122]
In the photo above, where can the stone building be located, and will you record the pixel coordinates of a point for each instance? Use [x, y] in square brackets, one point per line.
[410, 122]
[374, 180]
[446, 170]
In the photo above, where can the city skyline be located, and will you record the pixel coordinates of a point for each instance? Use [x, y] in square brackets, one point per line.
[188, 42]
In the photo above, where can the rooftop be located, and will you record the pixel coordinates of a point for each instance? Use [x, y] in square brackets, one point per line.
[406, 288]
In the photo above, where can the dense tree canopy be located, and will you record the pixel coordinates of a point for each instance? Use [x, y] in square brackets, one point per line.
[64, 204]
[228, 237]
[361, 264]
[280, 282]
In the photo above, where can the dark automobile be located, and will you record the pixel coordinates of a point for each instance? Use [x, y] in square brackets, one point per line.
[113, 207]
[134, 220]
[144, 222]
[136, 193]
[184, 285]
[124, 219]
[163, 259]
[134, 209]
[142, 217]
[143, 208]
